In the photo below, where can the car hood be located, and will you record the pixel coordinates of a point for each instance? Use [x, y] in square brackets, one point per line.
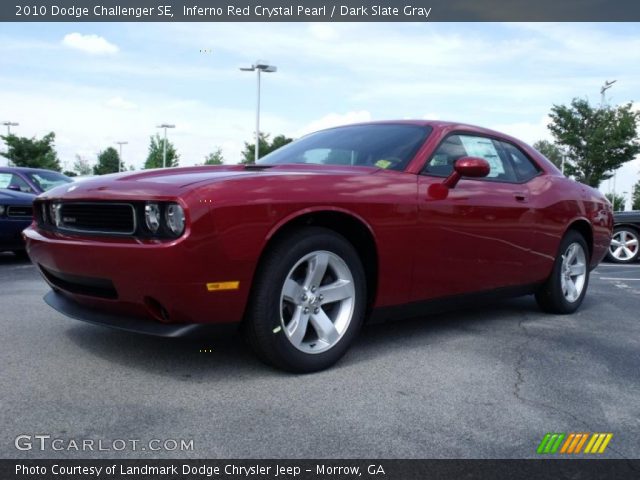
[10, 197]
[171, 182]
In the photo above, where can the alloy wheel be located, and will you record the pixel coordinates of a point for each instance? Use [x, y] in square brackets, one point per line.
[573, 272]
[624, 245]
[317, 302]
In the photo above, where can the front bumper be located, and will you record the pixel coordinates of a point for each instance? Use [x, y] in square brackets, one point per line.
[68, 307]
[161, 283]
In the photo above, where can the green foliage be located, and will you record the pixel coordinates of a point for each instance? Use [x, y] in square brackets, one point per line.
[32, 152]
[214, 158]
[154, 159]
[81, 166]
[108, 162]
[598, 140]
[635, 196]
[550, 150]
[264, 147]
[69, 173]
[617, 201]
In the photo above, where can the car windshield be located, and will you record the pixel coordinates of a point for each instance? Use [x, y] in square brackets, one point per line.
[48, 180]
[389, 146]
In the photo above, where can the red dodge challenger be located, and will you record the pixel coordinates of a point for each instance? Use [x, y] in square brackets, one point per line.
[368, 221]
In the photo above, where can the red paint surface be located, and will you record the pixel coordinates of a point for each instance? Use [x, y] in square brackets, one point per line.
[431, 241]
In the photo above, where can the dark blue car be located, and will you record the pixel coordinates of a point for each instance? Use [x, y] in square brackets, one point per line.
[16, 213]
[31, 180]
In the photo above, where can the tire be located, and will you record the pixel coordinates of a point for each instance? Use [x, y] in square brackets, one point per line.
[625, 245]
[290, 322]
[556, 295]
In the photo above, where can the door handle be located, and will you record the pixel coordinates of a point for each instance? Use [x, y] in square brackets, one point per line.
[521, 197]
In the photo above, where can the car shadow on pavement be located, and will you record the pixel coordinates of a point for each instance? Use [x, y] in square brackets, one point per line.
[229, 357]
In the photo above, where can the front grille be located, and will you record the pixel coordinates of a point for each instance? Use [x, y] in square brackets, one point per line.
[109, 218]
[20, 211]
[94, 287]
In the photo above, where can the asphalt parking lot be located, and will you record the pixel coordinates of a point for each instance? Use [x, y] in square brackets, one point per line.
[481, 383]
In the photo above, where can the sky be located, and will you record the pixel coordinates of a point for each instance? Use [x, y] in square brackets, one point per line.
[94, 84]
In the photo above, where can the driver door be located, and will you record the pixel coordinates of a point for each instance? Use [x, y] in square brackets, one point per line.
[479, 237]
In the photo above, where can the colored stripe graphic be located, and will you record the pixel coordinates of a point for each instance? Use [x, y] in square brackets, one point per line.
[581, 443]
[607, 439]
[550, 443]
[572, 443]
[567, 443]
[543, 443]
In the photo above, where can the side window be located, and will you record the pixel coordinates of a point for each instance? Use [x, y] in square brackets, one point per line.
[14, 182]
[458, 146]
[5, 178]
[525, 169]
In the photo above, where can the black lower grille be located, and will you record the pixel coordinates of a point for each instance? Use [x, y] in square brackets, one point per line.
[112, 218]
[94, 287]
[20, 211]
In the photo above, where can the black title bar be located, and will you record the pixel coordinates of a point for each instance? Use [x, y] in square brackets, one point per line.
[319, 10]
[318, 469]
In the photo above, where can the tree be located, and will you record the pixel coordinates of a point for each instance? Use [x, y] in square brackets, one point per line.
[81, 166]
[69, 173]
[214, 158]
[108, 162]
[617, 201]
[550, 150]
[31, 152]
[264, 147]
[154, 159]
[635, 196]
[598, 140]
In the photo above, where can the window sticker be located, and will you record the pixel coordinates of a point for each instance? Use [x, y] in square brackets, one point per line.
[484, 148]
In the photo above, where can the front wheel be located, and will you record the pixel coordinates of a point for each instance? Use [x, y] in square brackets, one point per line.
[308, 301]
[624, 247]
[566, 287]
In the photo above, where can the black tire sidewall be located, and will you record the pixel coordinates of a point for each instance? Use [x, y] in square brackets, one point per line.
[265, 311]
[553, 290]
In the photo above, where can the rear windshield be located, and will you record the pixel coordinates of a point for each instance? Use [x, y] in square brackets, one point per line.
[48, 180]
[384, 146]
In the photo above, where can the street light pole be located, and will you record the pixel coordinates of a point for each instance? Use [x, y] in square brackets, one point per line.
[9, 125]
[120, 157]
[164, 143]
[259, 66]
[607, 85]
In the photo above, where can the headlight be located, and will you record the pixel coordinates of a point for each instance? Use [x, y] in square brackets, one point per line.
[54, 211]
[174, 216]
[43, 210]
[152, 217]
[1, 209]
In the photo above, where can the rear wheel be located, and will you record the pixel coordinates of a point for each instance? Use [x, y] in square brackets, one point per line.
[308, 301]
[624, 247]
[566, 287]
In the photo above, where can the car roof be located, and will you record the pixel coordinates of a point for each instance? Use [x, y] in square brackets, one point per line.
[437, 124]
[25, 169]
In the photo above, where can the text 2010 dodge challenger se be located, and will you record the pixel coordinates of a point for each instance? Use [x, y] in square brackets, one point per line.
[370, 220]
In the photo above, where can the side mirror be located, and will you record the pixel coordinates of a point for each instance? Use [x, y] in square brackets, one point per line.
[473, 167]
[15, 188]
